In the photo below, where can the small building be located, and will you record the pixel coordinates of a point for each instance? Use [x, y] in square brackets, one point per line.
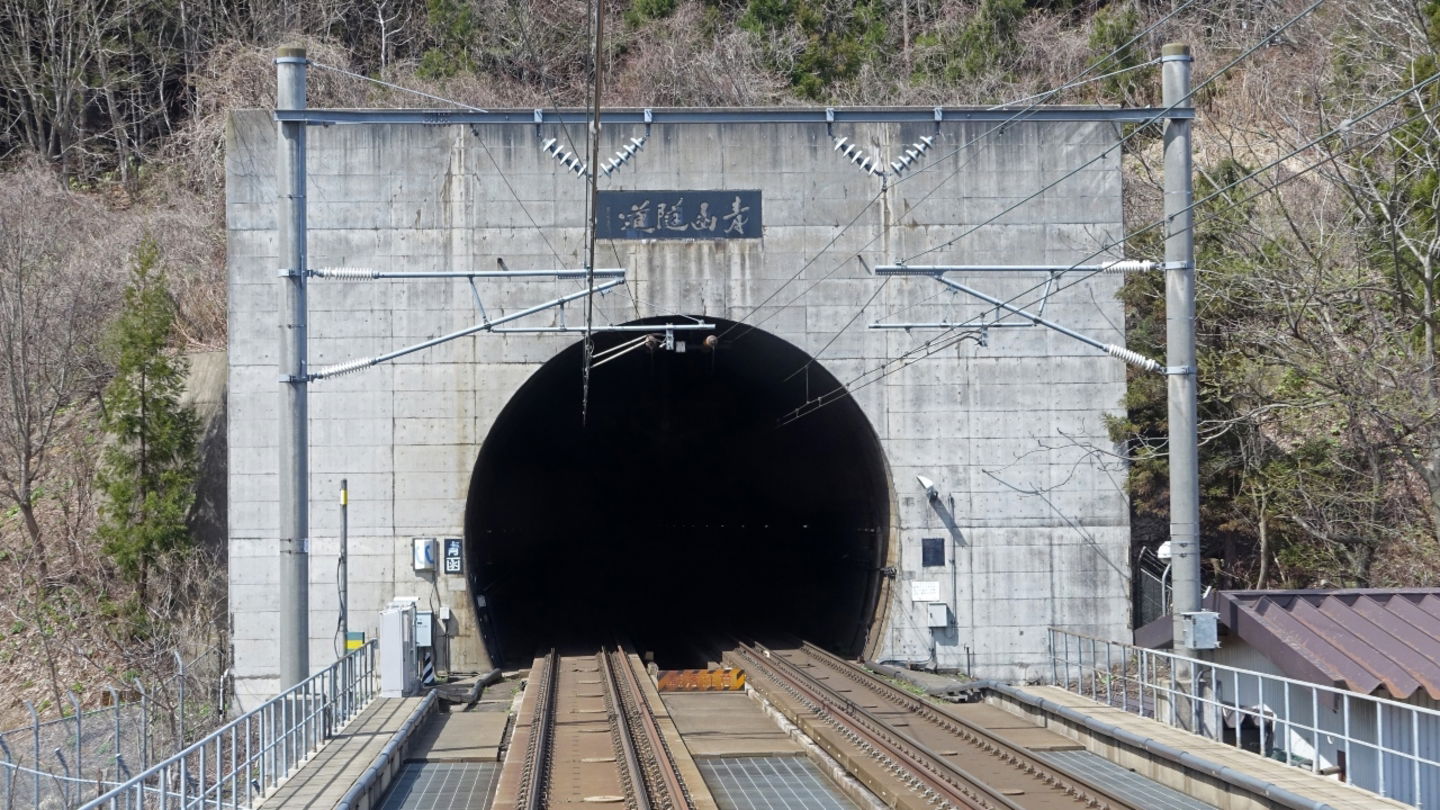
[1374, 655]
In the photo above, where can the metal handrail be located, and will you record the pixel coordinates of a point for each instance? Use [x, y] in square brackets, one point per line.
[1379, 744]
[242, 760]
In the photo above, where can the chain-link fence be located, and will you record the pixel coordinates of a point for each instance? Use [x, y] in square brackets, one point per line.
[58, 763]
[1152, 587]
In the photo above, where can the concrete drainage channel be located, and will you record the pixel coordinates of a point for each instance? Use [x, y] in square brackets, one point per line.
[372, 783]
[439, 758]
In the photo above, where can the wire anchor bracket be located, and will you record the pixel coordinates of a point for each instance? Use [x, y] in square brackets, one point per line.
[487, 326]
[1130, 356]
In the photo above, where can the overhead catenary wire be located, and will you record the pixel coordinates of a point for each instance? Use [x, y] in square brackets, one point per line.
[883, 370]
[1303, 171]
[1275, 163]
[1073, 83]
[858, 312]
[594, 20]
[1159, 116]
[396, 87]
[1038, 99]
[947, 338]
[483, 145]
[565, 128]
[911, 356]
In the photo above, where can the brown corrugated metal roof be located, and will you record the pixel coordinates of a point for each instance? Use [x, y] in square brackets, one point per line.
[1364, 639]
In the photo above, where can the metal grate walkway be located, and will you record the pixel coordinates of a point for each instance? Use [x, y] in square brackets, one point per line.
[1127, 784]
[443, 786]
[769, 783]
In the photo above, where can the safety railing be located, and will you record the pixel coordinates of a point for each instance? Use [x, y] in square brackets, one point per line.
[241, 761]
[1386, 746]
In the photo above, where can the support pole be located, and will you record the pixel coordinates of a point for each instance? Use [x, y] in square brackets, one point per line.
[294, 482]
[344, 573]
[1180, 343]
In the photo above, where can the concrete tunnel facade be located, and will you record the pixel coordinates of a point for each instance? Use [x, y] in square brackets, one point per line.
[682, 490]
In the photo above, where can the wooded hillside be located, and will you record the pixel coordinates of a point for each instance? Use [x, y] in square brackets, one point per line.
[1319, 247]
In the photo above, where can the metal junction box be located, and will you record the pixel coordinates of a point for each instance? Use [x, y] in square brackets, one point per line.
[1201, 629]
[397, 650]
[938, 614]
[424, 628]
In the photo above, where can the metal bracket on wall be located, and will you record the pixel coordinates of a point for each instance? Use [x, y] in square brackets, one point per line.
[782, 115]
[615, 276]
[937, 272]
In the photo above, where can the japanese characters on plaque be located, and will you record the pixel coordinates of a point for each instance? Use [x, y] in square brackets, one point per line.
[679, 215]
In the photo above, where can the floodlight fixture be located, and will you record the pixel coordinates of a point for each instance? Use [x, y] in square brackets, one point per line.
[931, 493]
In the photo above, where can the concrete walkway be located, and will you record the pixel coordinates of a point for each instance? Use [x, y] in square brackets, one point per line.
[1331, 791]
[322, 781]
[460, 737]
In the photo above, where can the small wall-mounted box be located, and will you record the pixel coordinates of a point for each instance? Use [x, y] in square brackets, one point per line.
[938, 614]
[1201, 629]
[424, 556]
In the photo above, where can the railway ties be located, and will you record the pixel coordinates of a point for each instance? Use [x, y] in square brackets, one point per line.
[912, 754]
[589, 740]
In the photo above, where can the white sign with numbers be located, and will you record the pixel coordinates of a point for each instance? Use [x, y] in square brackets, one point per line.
[924, 591]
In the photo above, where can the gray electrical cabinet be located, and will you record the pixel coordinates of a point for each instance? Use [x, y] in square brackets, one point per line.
[1201, 629]
[397, 651]
[938, 614]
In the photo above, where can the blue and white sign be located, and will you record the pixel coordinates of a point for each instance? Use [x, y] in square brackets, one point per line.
[452, 555]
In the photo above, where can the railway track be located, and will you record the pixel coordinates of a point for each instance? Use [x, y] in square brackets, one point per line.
[912, 753]
[593, 739]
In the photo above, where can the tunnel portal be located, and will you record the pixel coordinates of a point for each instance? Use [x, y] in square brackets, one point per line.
[680, 506]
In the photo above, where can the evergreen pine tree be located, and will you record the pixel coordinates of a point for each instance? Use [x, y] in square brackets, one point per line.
[148, 473]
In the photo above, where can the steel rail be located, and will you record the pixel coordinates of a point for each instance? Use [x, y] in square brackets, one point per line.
[672, 794]
[942, 779]
[537, 752]
[966, 730]
[634, 773]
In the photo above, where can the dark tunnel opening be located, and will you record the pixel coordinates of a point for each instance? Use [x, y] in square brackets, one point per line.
[681, 507]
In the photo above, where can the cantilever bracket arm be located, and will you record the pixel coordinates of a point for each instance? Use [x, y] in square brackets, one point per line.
[1134, 358]
[368, 274]
[356, 365]
[937, 270]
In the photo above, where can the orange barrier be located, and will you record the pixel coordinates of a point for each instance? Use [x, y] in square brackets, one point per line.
[701, 680]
